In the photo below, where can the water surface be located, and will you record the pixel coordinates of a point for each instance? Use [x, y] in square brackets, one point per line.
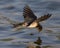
[49, 37]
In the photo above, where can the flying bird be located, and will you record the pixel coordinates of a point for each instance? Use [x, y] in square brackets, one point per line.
[30, 20]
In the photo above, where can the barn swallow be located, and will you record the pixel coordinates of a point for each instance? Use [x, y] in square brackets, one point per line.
[31, 20]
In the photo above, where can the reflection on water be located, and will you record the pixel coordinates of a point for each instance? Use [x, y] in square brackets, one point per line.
[35, 44]
[49, 37]
[38, 41]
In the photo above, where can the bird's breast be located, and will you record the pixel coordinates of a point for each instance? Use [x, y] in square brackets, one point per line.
[32, 25]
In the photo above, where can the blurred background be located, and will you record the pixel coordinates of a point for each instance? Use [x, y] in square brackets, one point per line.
[49, 37]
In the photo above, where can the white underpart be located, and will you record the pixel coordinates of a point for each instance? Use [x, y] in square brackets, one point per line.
[34, 24]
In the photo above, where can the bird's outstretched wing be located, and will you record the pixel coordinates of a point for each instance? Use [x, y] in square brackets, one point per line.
[45, 17]
[28, 14]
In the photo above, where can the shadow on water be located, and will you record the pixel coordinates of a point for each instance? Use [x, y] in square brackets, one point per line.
[35, 44]
[29, 44]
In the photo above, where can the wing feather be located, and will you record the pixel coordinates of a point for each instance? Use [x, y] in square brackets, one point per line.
[45, 17]
[28, 14]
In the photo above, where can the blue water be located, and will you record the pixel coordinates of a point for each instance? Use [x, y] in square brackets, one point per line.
[49, 37]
